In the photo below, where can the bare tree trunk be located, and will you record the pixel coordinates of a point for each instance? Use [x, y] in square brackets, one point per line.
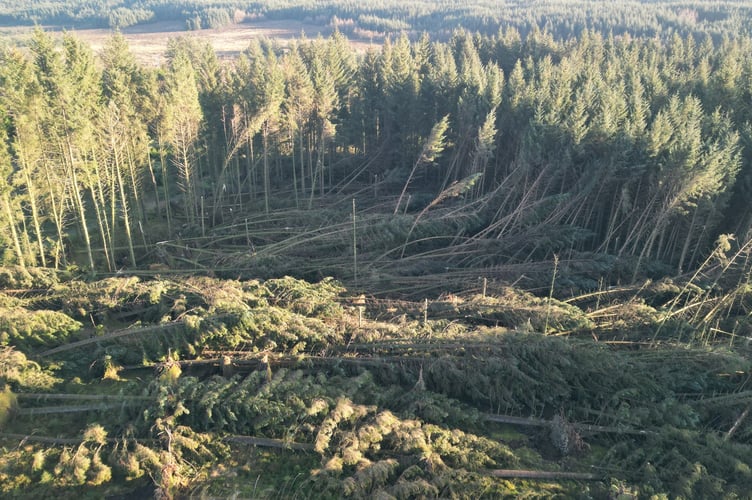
[124, 207]
[165, 184]
[13, 231]
[78, 202]
[265, 137]
[32, 203]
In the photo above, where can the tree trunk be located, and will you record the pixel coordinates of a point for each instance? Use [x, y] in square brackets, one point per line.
[265, 138]
[124, 208]
[13, 231]
[78, 201]
[34, 208]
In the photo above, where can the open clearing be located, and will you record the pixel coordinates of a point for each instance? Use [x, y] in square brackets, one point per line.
[149, 41]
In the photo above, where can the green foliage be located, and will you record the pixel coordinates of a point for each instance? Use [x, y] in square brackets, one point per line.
[318, 299]
[14, 277]
[19, 372]
[122, 17]
[616, 152]
[399, 410]
[628, 156]
[392, 17]
[523, 311]
[209, 18]
[27, 329]
[370, 453]
[170, 373]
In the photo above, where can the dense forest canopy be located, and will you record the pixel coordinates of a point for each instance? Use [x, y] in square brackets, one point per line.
[466, 156]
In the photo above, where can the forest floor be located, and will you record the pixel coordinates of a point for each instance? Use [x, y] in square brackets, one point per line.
[198, 386]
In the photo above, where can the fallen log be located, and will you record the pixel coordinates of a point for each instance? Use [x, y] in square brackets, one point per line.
[52, 410]
[122, 333]
[64, 441]
[269, 443]
[539, 422]
[38, 396]
[542, 475]
[737, 423]
[735, 397]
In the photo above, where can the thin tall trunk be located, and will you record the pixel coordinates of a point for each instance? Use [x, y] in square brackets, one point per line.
[238, 186]
[57, 216]
[123, 200]
[647, 249]
[78, 202]
[165, 185]
[311, 170]
[32, 203]
[250, 156]
[294, 170]
[153, 180]
[265, 138]
[302, 163]
[100, 207]
[687, 240]
[13, 231]
[101, 222]
[133, 177]
[190, 200]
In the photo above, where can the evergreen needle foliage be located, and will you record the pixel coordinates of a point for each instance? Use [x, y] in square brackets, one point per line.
[547, 292]
[388, 404]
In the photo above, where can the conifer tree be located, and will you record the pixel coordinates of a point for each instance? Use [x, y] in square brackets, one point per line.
[69, 90]
[22, 101]
[78, 100]
[326, 101]
[124, 139]
[298, 106]
[181, 122]
[10, 231]
[262, 90]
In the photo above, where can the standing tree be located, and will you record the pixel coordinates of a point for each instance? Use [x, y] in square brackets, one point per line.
[69, 89]
[298, 107]
[23, 103]
[181, 121]
[9, 214]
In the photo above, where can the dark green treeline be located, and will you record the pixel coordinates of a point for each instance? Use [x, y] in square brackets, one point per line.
[504, 148]
[374, 19]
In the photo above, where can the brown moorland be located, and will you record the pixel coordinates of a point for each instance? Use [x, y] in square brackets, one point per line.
[149, 41]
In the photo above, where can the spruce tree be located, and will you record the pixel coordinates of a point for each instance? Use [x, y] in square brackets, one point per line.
[181, 123]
